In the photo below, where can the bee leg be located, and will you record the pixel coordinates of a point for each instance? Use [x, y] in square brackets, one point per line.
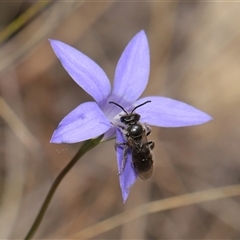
[151, 144]
[148, 129]
[119, 145]
[125, 149]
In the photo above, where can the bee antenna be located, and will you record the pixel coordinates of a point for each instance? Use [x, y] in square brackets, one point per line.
[140, 105]
[119, 106]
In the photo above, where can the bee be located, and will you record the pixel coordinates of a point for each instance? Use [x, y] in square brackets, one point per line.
[136, 139]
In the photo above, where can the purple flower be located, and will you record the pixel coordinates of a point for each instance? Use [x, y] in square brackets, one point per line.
[91, 119]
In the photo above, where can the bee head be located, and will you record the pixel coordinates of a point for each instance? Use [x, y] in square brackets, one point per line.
[130, 119]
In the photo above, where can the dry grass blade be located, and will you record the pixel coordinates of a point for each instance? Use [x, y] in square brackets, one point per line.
[20, 47]
[156, 206]
[22, 19]
[17, 126]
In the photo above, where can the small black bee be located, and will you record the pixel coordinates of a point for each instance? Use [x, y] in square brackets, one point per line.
[136, 135]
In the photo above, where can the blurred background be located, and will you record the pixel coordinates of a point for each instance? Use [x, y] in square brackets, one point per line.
[195, 58]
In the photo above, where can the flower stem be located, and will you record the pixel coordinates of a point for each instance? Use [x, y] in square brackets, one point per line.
[87, 145]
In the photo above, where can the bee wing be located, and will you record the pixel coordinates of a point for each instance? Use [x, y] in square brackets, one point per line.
[145, 175]
[142, 162]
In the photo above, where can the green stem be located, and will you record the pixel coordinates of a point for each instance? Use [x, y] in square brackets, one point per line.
[87, 145]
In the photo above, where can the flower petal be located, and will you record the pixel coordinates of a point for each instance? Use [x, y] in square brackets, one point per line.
[128, 177]
[84, 122]
[132, 72]
[84, 71]
[110, 134]
[167, 112]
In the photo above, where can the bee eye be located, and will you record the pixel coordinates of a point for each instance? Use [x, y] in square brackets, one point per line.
[122, 119]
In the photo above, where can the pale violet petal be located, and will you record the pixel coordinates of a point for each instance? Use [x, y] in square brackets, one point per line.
[167, 112]
[128, 177]
[132, 72]
[84, 71]
[84, 122]
[110, 134]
